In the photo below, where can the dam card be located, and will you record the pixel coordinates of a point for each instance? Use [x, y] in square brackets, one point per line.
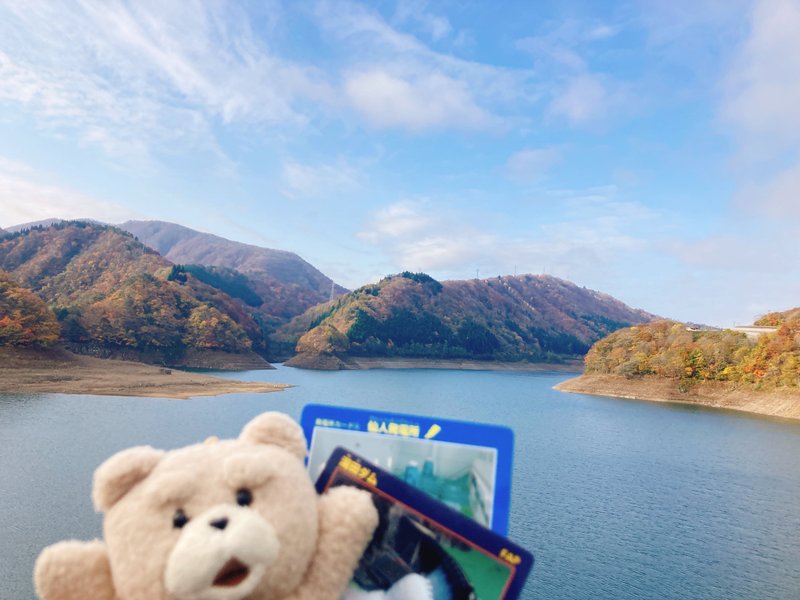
[423, 549]
[465, 465]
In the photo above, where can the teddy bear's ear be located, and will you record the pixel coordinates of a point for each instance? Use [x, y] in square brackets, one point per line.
[278, 429]
[115, 477]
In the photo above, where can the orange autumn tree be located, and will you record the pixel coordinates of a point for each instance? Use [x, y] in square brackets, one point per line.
[25, 320]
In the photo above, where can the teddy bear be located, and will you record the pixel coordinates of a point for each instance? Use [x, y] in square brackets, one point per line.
[223, 520]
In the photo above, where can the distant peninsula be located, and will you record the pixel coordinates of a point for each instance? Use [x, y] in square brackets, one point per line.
[755, 371]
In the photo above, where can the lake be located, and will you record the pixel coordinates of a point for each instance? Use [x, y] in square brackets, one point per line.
[615, 498]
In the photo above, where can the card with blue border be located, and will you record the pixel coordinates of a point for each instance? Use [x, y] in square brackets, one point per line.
[464, 465]
[423, 549]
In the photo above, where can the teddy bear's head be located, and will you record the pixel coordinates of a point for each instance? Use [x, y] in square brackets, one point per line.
[223, 520]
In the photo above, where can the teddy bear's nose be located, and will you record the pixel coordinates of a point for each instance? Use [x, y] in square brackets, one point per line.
[220, 523]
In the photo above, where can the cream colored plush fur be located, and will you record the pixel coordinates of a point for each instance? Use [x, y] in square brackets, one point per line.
[288, 543]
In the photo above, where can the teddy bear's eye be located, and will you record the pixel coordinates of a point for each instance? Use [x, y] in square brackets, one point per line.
[179, 519]
[244, 497]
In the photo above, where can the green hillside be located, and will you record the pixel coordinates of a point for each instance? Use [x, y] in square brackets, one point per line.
[533, 318]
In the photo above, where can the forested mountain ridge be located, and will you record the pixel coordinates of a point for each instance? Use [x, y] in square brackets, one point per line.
[287, 284]
[109, 291]
[670, 350]
[527, 317]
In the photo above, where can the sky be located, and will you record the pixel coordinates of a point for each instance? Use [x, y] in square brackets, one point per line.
[648, 149]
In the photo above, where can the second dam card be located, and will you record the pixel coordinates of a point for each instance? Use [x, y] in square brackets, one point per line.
[422, 549]
[465, 465]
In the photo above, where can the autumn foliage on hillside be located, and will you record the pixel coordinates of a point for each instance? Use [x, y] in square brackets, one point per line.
[281, 284]
[668, 349]
[108, 289]
[25, 320]
[775, 319]
[536, 318]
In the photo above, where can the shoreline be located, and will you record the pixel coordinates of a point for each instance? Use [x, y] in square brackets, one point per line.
[458, 364]
[331, 362]
[57, 371]
[784, 404]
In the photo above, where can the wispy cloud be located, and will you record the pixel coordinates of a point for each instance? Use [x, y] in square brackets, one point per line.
[582, 99]
[395, 80]
[143, 76]
[762, 89]
[417, 11]
[321, 179]
[594, 229]
[759, 109]
[400, 219]
[577, 92]
[423, 103]
[27, 194]
[531, 164]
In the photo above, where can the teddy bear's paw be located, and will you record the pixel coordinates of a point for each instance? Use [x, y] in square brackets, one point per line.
[73, 570]
[351, 508]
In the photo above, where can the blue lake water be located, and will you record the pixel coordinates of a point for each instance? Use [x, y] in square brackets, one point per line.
[617, 499]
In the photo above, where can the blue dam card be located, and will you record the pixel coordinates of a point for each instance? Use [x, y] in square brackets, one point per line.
[422, 549]
[464, 465]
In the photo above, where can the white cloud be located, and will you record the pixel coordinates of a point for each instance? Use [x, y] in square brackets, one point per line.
[778, 197]
[741, 253]
[760, 110]
[399, 219]
[428, 102]
[28, 195]
[420, 89]
[436, 26]
[410, 232]
[582, 99]
[532, 163]
[312, 180]
[593, 231]
[763, 87]
[147, 75]
[578, 93]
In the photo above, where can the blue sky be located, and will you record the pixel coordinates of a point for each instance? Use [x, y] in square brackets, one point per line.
[647, 149]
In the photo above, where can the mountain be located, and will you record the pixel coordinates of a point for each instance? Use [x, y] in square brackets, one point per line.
[45, 223]
[671, 351]
[527, 317]
[113, 295]
[286, 283]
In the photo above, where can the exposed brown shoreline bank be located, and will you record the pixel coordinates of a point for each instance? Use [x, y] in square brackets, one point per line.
[24, 370]
[327, 362]
[783, 404]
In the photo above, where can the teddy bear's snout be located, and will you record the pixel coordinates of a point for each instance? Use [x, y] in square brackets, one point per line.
[221, 554]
